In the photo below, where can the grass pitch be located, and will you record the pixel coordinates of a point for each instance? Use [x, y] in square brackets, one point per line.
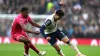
[17, 50]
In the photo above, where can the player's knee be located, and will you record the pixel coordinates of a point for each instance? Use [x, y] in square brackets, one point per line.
[27, 41]
[65, 40]
[24, 39]
[68, 42]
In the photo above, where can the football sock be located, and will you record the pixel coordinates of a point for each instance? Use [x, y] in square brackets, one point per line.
[74, 47]
[60, 52]
[33, 47]
[26, 47]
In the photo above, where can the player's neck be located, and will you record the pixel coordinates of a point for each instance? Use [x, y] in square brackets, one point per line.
[55, 19]
[23, 16]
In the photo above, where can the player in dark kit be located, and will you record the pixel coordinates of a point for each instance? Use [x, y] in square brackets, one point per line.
[19, 30]
[50, 31]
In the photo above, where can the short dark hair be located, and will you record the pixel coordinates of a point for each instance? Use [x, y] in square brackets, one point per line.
[24, 9]
[60, 12]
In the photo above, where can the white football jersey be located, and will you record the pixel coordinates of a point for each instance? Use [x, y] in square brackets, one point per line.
[51, 25]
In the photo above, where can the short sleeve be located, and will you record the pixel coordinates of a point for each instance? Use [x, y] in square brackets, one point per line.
[18, 20]
[29, 19]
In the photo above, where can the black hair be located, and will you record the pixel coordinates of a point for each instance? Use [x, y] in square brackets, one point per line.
[24, 9]
[60, 12]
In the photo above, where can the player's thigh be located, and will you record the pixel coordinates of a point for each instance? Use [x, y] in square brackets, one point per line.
[21, 38]
[16, 37]
[53, 39]
[61, 36]
[24, 39]
[65, 39]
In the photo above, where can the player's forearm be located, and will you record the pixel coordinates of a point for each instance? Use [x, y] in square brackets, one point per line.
[36, 25]
[28, 31]
[42, 30]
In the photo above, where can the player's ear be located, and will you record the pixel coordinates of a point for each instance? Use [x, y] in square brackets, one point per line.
[56, 16]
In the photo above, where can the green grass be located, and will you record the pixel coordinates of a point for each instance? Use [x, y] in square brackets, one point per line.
[17, 50]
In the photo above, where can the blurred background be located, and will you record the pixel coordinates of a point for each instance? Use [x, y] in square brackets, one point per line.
[81, 24]
[82, 17]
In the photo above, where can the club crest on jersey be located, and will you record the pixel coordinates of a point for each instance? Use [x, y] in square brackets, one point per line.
[48, 22]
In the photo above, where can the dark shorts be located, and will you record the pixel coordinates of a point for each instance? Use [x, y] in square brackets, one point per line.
[55, 35]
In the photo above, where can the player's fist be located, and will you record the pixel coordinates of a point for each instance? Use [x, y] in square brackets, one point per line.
[48, 38]
[61, 3]
[37, 32]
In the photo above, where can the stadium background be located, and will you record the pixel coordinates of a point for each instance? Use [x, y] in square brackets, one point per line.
[81, 24]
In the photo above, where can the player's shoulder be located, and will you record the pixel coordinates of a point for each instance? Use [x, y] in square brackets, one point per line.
[50, 17]
[28, 17]
[17, 18]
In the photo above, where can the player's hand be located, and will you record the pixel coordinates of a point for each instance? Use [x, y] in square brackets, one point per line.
[36, 32]
[48, 38]
[62, 3]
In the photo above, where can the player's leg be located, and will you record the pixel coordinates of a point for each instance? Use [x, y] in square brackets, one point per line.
[28, 44]
[33, 47]
[21, 38]
[74, 47]
[26, 47]
[36, 50]
[64, 38]
[53, 41]
[59, 51]
[40, 53]
[26, 41]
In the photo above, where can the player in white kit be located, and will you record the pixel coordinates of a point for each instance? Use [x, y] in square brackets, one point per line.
[50, 31]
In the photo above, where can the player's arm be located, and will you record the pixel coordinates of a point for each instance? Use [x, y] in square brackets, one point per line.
[62, 1]
[27, 30]
[61, 4]
[33, 23]
[47, 23]
[42, 30]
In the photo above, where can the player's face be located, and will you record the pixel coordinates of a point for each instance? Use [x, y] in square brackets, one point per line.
[57, 17]
[25, 14]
